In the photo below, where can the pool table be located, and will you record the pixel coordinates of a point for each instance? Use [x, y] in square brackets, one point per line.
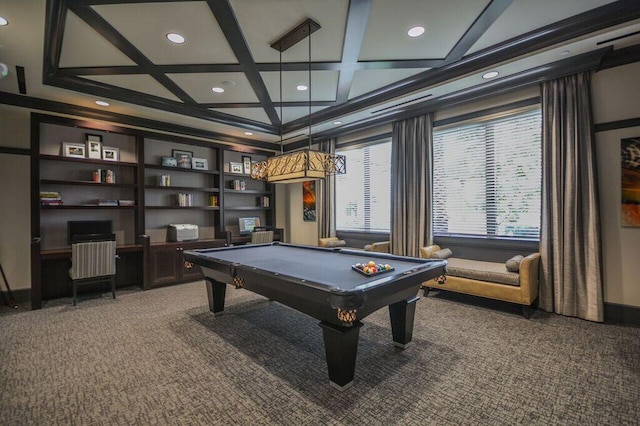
[320, 282]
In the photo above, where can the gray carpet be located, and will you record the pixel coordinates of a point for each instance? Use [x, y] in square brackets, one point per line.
[160, 357]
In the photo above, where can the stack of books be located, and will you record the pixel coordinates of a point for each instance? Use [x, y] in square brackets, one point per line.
[50, 198]
[126, 202]
[184, 200]
[107, 202]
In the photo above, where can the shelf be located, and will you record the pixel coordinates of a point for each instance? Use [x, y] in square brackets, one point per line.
[86, 207]
[186, 188]
[87, 183]
[179, 169]
[247, 191]
[87, 161]
[239, 208]
[183, 207]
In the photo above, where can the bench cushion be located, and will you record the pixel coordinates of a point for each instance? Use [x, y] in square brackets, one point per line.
[482, 271]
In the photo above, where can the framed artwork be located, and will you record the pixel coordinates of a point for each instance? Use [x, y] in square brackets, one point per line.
[309, 201]
[199, 163]
[183, 158]
[110, 154]
[235, 167]
[169, 162]
[630, 181]
[246, 164]
[73, 150]
[94, 146]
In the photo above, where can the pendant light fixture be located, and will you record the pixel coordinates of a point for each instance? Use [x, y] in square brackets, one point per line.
[306, 164]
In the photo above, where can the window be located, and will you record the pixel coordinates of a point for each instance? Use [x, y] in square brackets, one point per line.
[363, 194]
[488, 177]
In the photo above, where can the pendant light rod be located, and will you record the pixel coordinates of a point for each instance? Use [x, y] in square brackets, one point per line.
[309, 87]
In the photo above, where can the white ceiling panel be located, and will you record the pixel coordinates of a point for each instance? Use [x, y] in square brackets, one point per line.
[323, 85]
[82, 46]
[445, 22]
[264, 22]
[365, 81]
[146, 25]
[198, 86]
[255, 114]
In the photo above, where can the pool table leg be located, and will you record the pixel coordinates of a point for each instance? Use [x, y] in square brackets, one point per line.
[341, 347]
[215, 293]
[402, 314]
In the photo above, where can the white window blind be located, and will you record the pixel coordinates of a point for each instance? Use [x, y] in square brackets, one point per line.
[487, 177]
[363, 194]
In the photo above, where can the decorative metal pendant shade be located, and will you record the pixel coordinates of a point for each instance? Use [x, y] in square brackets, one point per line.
[305, 164]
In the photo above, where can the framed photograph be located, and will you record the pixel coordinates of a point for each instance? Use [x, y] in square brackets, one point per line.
[110, 154]
[169, 162]
[73, 150]
[94, 146]
[183, 158]
[235, 167]
[246, 164]
[199, 163]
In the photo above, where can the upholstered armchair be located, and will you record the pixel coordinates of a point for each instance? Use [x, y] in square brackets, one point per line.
[381, 247]
[331, 242]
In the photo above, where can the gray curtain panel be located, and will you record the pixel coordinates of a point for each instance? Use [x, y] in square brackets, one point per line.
[570, 242]
[324, 196]
[411, 169]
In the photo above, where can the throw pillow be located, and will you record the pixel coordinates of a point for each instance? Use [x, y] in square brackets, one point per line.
[442, 254]
[340, 243]
[513, 264]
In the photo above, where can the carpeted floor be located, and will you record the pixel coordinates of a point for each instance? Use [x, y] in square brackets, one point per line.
[160, 357]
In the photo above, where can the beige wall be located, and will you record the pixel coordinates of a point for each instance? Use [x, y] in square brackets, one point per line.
[15, 231]
[615, 97]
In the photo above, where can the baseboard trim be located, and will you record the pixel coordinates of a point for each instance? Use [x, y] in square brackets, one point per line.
[625, 314]
[21, 296]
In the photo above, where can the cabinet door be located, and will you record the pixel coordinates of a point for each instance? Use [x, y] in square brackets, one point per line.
[190, 271]
[163, 262]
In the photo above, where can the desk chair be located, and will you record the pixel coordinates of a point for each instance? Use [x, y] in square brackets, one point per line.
[93, 258]
[261, 237]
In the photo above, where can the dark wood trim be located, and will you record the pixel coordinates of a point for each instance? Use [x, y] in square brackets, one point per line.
[14, 151]
[277, 104]
[228, 23]
[35, 192]
[367, 140]
[616, 58]
[615, 125]
[102, 27]
[97, 114]
[36, 269]
[357, 18]
[54, 25]
[625, 314]
[482, 23]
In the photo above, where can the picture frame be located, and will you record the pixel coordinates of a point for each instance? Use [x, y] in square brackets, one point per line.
[73, 150]
[110, 153]
[199, 163]
[235, 167]
[94, 146]
[246, 164]
[169, 162]
[183, 158]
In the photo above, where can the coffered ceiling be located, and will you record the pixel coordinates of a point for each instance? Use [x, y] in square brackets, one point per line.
[365, 69]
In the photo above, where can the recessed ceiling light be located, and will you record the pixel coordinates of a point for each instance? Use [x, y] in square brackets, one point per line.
[248, 133]
[3, 22]
[416, 31]
[565, 52]
[337, 122]
[176, 38]
[490, 74]
[229, 83]
[217, 89]
[301, 87]
[102, 103]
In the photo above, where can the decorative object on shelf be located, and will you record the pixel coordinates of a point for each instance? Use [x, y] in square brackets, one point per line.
[264, 201]
[183, 158]
[213, 201]
[165, 180]
[126, 202]
[94, 146]
[110, 154]
[305, 164]
[630, 182]
[246, 164]
[235, 167]
[184, 199]
[199, 163]
[169, 162]
[108, 203]
[50, 198]
[238, 185]
[309, 201]
[73, 150]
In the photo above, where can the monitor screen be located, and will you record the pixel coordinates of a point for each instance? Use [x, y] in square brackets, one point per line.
[247, 224]
[88, 227]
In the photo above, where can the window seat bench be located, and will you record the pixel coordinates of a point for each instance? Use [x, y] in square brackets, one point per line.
[488, 279]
